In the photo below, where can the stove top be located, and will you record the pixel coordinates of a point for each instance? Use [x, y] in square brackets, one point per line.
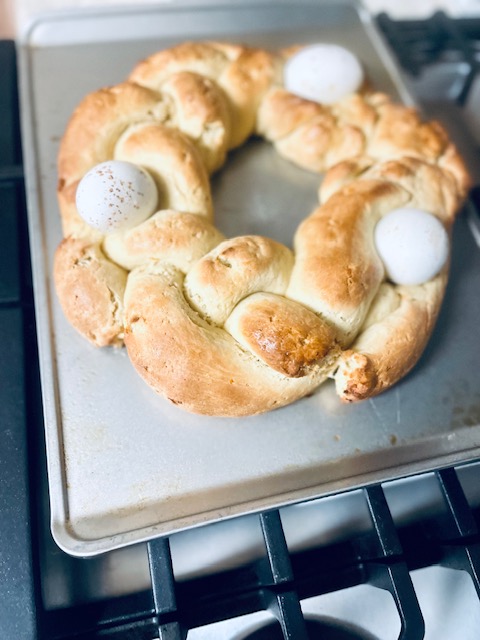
[373, 543]
[17, 589]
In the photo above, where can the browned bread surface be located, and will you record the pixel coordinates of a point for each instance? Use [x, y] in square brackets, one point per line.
[243, 325]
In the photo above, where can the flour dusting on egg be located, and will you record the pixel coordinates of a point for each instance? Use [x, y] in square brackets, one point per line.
[116, 195]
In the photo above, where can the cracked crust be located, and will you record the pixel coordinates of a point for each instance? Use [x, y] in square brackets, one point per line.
[91, 289]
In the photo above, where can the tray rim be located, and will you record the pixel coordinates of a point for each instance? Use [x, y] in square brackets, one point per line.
[62, 533]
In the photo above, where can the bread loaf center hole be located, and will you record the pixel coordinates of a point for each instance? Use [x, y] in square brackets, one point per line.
[259, 192]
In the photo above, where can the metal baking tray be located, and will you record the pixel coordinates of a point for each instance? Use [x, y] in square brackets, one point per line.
[123, 464]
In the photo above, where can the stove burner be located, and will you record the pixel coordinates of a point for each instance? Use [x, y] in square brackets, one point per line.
[316, 628]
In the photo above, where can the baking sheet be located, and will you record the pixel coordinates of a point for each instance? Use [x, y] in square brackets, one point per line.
[123, 464]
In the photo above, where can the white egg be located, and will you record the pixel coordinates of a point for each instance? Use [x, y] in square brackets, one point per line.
[323, 72]
[413, 245]
[116, 195]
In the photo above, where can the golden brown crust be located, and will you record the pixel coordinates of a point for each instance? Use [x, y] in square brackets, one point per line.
[430, 186]
[281, 112]
[390, 347]
[243, 74]
[399, 131]
[97, 123]
[342, 174]
[285, 335]
[176, 351]
[199, 111]
[178, 170]
[245, 82]
[178, 238]
[91, 289]
[205, 58]
[306, 132]
[244, 325]
[337, 271]
[235, 269]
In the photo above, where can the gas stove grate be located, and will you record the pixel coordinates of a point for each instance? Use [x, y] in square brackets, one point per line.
[440, 39]
[280, 580]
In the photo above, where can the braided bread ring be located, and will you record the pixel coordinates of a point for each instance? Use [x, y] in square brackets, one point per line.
[243, 325]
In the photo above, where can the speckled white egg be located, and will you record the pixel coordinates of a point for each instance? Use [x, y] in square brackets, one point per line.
[413, 245]
[323, 72]
[116, 195]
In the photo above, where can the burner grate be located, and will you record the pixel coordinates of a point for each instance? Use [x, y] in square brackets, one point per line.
[280, 580]
[440, 39]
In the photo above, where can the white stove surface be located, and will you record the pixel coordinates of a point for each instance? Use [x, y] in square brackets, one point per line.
[448, 600]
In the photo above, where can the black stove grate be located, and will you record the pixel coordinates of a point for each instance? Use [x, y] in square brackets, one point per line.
[280, 580]
[440, 39]
[383, 558]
